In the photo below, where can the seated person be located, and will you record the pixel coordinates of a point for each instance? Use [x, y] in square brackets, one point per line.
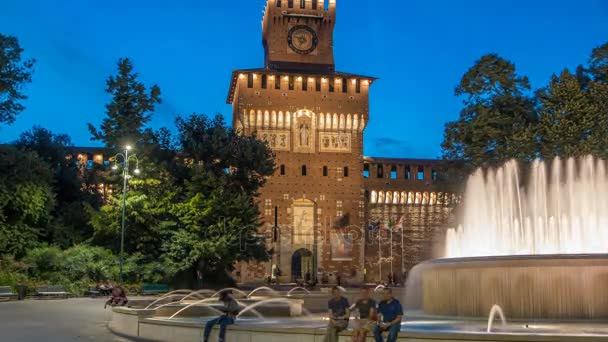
[117, 298]
[230, 309]
[391, 312]
[338, 315]
[366, 316]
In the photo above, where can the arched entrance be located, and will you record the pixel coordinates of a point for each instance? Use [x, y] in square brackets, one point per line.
[302, 263]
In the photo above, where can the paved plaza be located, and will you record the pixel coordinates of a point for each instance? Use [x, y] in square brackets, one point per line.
[78, 319]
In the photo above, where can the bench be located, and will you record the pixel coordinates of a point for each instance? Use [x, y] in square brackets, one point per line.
[92, 291]
[7, 292]
[148, 289]
[51, 291]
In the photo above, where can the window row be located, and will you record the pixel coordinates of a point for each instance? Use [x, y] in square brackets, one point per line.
[407, 172]
[302, 3]
[312, 83]
[405, 197]
[340, 171]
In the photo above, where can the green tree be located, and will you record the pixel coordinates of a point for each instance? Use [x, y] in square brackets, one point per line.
[14, 74]
[218, 217]
[572, 121]
[71, 214]
[598, 63]
[129, 110]
[497, 121]
[26, 200]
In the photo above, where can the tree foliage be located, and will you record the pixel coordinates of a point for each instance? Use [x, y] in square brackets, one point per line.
[26, 200]
[14, 74]
[500, 121]
[129, 110]
[69, 224]
[496, 123]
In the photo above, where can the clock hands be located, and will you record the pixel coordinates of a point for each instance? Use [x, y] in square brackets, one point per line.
[301, 39]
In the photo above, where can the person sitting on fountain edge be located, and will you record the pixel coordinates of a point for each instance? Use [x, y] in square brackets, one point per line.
[338, 315]
[366, 319]
[391, 312]
[230, 309]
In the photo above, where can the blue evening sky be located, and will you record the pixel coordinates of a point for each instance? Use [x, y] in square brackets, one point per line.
[418, 48]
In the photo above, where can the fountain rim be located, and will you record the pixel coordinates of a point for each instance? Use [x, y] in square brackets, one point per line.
[515, 257]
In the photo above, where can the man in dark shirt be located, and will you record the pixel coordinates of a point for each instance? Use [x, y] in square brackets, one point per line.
[391, 312]
[365, 320]
[338, 315]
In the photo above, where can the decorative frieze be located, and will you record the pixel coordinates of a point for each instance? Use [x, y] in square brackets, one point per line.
[335, 142]
[277, 140]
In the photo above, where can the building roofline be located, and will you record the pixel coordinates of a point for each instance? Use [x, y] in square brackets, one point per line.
[389, 160]
[265, 71]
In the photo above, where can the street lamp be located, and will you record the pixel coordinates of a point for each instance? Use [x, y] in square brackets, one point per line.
[125, 173]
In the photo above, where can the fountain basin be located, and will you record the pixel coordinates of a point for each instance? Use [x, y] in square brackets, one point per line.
[289, 308]
[561, 287]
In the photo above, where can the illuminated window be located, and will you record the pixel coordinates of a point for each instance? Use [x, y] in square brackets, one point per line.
[393, 172]
[302, 3]
[249, 80]
[420, 173]
[322, 197]
[285, 197]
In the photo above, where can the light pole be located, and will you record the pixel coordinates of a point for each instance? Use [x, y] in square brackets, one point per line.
[125, 174]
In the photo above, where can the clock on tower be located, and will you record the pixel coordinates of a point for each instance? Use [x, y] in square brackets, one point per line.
[298, 35]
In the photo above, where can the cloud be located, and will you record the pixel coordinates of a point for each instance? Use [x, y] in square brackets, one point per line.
[391, 147]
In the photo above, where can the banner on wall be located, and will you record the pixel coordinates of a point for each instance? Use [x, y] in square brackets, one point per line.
[342, 247]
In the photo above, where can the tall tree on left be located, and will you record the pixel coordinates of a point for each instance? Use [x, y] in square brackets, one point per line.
[14, 74]
[129, 110]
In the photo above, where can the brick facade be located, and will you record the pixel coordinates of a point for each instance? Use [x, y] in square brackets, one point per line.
[318, 205]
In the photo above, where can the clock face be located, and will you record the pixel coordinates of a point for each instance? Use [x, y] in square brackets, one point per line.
[302, 39]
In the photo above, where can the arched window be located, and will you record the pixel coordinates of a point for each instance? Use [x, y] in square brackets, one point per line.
[346, 171]
[303, 170]
[324, 171]
[282, 170]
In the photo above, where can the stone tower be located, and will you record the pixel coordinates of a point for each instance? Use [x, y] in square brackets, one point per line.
[313, 118]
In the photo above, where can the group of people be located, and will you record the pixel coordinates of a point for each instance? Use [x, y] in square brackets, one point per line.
[377, 318]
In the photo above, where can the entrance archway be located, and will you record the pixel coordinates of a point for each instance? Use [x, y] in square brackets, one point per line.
[302, 263]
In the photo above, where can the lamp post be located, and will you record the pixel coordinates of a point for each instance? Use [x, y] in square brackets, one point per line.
[125, 173]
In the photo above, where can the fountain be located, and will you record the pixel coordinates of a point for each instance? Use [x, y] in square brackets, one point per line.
[535, 250]
[297, 288]
[496, 309]
[263, 288]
